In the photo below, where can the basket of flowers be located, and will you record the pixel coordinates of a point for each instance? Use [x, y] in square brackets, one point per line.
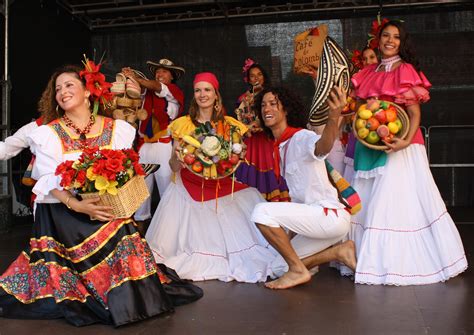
[212, 151]
[379, 121]
[113, 175]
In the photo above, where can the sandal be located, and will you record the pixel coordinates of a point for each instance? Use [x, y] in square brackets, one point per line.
[133, 88]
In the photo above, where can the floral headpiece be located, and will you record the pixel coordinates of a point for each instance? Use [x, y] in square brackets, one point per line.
[373, 41]
[248, 63]
[356, 58]
[96, 84]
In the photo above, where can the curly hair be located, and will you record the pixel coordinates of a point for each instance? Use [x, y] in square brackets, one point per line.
[218, 111]
[406, 50]
[266, 78]
[47, 105]
[296, 113]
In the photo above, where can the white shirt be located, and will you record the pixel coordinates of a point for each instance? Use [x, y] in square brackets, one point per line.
[14, 144]
[305, 173]
[173, 105]
[47, 147]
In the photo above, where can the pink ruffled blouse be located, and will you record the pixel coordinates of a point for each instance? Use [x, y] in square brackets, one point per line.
[404, 86]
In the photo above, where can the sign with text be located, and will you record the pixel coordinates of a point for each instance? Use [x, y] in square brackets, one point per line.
[308, 48]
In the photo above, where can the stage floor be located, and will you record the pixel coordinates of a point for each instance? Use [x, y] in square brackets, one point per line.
[329, 304]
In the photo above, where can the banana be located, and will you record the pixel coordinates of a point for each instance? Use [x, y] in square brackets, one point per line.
[206, 172]
[191, 140]
[213, 171]
[235, 137]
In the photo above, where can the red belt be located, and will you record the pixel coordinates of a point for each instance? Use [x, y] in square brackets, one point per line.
[326, 210]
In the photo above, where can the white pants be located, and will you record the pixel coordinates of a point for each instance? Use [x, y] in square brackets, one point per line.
[315, 230]
[155, 153]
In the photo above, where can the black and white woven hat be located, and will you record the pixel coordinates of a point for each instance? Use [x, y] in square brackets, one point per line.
[334, 70]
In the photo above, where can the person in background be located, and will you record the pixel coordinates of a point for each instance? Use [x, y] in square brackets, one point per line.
[257, 168]
[164, 102]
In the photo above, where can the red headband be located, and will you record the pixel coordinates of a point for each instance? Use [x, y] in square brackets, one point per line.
[208, 77]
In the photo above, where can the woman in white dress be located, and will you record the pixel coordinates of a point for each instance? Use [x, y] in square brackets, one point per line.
[403, 234]
[189, 232]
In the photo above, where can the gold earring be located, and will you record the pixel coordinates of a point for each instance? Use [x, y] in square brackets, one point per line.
[57, 109]
[88, 103]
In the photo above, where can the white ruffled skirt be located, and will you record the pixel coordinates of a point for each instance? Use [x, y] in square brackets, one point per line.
[404, 234]
[201, 244]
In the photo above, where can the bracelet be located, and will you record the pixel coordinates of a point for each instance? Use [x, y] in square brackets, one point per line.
[67, 202]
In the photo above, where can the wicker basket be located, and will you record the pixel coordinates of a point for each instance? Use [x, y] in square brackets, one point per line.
[128, 199]
[401, 114]
[200, 174]
[127, 102]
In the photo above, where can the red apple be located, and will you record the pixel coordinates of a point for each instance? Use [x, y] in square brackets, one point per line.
[381, 116]
[189, 159]
[234, 159]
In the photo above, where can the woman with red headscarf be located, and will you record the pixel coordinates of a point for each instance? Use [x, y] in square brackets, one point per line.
[188, 232]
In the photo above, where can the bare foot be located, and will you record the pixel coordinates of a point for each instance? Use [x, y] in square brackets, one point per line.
[346, 254]
[290, 279]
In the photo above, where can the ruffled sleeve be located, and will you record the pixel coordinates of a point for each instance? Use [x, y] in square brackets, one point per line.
[124, 135]
[181, 126]
[233, 122]
[414, 86]
[45, 144]
[404, 84]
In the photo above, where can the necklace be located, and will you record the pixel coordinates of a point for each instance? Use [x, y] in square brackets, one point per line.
[388, 62]
[82, 132]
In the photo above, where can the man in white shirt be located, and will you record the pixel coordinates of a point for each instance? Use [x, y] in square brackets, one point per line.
[163, 101]
[316, 216]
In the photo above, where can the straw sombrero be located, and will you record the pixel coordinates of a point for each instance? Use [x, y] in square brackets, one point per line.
[334, 70]
[177, 71]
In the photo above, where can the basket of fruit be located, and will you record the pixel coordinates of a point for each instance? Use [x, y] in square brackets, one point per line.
[212, 152]
[379, 121]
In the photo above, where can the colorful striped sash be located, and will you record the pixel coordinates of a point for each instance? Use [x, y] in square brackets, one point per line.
[345, 190]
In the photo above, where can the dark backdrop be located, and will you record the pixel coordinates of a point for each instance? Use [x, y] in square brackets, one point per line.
[43, 37]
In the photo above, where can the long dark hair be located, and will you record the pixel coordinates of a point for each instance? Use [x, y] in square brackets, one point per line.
[406, 50]
[297, 115]
[266, 78]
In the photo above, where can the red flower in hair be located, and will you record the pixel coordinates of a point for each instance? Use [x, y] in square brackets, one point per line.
[96, 84]
[377, 25]
[356, 59]
[248, 63]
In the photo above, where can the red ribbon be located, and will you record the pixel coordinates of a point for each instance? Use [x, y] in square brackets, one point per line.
[287, 134]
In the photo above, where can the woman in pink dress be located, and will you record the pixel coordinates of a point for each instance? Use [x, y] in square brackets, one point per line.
[404, 234]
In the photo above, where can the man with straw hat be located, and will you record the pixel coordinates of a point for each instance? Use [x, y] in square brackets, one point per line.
[163, 101]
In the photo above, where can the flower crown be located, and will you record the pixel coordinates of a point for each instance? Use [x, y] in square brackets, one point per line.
[96, 84]
[247, 64]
